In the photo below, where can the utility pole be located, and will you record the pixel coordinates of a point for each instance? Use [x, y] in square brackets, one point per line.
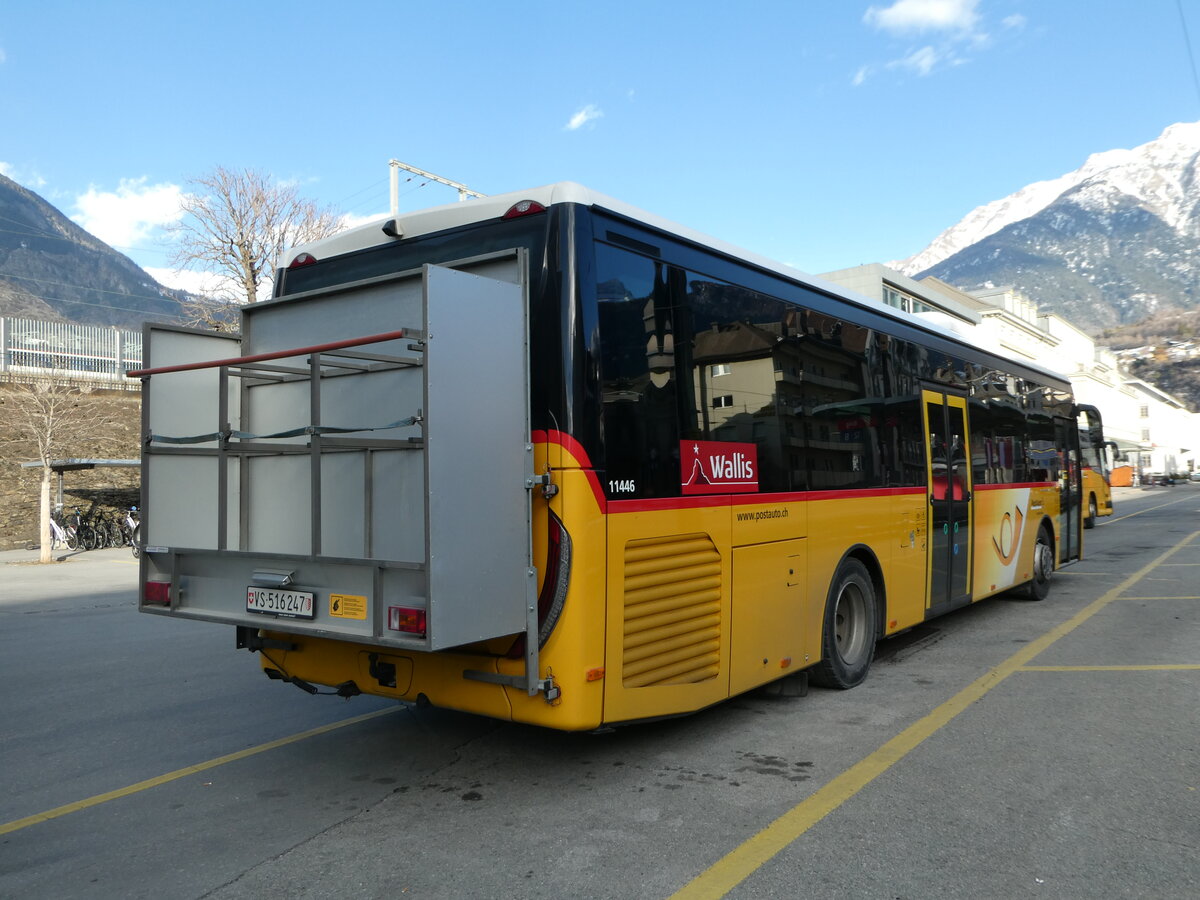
[463, 191]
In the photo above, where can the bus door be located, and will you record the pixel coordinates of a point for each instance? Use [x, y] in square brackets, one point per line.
[1066, 438]
[950, 500]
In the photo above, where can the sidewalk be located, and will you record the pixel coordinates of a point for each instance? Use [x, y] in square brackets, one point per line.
[61, 554]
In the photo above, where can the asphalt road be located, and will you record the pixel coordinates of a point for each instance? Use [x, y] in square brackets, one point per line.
[1012, 749]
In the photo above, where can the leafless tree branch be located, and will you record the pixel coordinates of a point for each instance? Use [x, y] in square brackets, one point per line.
[236, 224]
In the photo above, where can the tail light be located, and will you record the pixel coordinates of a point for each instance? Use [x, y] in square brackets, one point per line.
[302, 260]
[158, 592]
[524, 208]
[554, 586]
[407, 619]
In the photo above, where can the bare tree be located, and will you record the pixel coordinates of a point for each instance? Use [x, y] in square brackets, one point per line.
[49, 418]
[236, 224]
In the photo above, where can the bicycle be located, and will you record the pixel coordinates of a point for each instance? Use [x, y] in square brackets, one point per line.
[102, 525]
[131, 528]
[63, 529]
[85, 530]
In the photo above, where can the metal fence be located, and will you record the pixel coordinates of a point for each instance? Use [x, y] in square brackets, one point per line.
[86, 352]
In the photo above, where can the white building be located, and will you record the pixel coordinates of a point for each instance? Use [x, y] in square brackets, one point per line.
[1154, 430]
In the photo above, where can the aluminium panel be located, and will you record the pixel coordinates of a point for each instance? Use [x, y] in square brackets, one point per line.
[477, 456]
[180, 484]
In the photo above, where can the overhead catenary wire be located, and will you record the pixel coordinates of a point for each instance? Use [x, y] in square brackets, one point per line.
[1187, 42]
[95, 290]
[142, 312]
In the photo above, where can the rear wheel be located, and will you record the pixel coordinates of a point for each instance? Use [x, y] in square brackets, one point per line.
[848, 635]
[1038, 587]
[1090, 521]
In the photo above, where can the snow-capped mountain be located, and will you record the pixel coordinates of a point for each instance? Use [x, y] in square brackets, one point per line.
[1150, 172]
[1114, 241]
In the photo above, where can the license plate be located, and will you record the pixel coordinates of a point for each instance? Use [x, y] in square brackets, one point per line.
[274, 602]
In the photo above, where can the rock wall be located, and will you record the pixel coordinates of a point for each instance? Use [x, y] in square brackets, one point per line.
[109, 488]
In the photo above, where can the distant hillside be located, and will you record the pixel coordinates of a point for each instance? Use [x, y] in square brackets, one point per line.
[51, 268]
[1163, 350]
[1112, 243]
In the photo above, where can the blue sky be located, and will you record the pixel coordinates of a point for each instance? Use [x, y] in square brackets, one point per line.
[823, 133]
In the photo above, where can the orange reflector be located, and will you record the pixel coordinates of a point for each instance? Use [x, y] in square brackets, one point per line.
[157, 592]
[595, 674]
[407, 619]
[785, 663]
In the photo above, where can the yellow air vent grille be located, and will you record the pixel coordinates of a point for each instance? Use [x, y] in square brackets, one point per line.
[672, 611]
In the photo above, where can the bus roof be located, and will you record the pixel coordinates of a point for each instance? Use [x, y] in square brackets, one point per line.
[453, 215]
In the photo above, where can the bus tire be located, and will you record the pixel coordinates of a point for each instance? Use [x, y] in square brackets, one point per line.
[849, 630]
[1093, 511]
[1038, 587]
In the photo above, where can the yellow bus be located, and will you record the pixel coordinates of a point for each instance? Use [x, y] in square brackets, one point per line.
[1096, 481]
[552, 459]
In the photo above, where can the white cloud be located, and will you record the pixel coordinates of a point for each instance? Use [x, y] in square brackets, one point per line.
[203, 283]
[921, 61]
[1015, 22]
[958, 33]
[589, 113]
[28, 179]
[131, 213]
[350, 220]
[915, 16]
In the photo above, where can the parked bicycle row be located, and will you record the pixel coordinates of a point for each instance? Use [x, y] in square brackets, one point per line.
[94, 530]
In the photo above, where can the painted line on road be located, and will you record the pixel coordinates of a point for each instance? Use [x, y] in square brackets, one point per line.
[69, 808]
[1164, 597]
[1142, 512]
[741, 862]
[1180, 667]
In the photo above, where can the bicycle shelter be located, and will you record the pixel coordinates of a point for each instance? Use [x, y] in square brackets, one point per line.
[59, 466]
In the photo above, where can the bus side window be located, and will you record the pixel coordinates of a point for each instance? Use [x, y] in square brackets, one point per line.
[640, 389]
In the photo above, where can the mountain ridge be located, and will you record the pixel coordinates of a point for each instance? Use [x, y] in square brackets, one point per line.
[1118, 242]
[52, 268]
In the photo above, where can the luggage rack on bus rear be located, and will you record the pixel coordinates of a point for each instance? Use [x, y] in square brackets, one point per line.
[329, 360]
[289, 457]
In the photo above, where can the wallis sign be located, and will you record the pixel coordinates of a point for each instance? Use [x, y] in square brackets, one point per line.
[718, 467]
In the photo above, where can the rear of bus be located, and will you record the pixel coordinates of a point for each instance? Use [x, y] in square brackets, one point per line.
[371, 481]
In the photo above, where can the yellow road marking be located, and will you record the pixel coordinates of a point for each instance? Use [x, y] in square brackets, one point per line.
[1182, 667]
[1150, 509]
[741, 862]
[1163, 597]
[183, 773]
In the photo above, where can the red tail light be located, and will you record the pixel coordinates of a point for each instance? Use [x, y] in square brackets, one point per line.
[524, 208]
[157, 592]
[554, 586]
[407, 619]
[302, 260]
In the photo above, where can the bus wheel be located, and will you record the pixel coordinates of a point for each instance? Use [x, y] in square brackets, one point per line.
[1090, 521]
[1038, 588]
[848, 635]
